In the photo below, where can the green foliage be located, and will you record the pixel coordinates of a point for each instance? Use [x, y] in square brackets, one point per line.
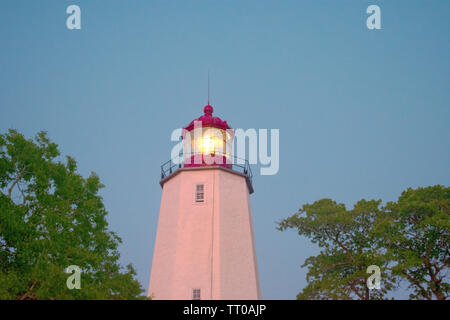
[51, 218]
[416, 233]
[339, 271]
[407, 239]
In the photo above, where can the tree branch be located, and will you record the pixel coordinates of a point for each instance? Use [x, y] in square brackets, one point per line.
[414, 281]
[18, 178]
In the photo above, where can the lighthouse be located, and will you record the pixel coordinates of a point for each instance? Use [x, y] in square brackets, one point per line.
[204, 248]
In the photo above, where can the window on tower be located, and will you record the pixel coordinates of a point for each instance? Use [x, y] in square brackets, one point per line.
[196, 294]
[199, 193]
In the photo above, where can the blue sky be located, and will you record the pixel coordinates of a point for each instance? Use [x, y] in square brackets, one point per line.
[362, 113]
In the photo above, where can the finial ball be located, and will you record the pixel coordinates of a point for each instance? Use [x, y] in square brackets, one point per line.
[208, 110]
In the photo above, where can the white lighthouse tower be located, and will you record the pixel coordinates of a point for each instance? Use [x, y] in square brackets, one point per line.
[204, 245]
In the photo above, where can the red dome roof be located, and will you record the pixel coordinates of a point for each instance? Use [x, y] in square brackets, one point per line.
[208, 120]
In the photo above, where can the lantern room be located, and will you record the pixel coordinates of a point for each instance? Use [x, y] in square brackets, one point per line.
[208, 141]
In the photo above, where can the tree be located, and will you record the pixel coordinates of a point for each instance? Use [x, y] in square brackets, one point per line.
[51, 218]
[348, 247]
[416, 232]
